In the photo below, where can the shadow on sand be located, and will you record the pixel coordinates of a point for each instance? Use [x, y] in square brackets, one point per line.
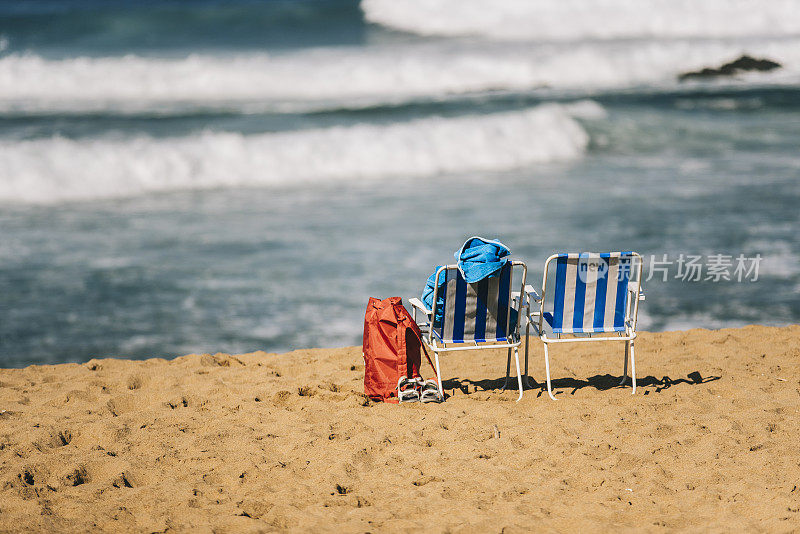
[599, 382]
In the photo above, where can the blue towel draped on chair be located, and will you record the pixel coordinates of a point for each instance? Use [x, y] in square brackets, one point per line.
[478, 259]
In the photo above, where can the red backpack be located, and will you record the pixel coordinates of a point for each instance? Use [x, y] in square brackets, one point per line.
[392, 348]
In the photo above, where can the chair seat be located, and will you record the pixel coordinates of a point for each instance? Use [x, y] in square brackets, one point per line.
[495, 338]
[499, 339]
[571, 330]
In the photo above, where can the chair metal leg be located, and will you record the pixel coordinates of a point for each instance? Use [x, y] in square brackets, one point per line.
[527, 341]
[625, 368]
[508, 370]
[529, 382]
[633, 370]
[519, 376]
[438, 374]
[547, 371]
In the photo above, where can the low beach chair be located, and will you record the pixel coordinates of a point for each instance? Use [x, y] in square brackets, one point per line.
[474, 316]
[595, 297]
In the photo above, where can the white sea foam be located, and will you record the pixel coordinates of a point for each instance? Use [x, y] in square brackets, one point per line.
[57, 169]
[586, 109]
[587, 19]
[778, 258]
[358, 77]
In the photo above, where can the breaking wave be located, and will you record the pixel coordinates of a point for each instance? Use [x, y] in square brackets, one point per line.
[351, 77]
[56, 169]
[587, 19]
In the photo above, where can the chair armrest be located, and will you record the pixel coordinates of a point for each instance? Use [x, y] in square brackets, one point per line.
[532, 294]
[633, 286]
[416, 303]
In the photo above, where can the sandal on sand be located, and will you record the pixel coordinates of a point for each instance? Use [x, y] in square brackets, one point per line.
[407, 390]
[430, 392]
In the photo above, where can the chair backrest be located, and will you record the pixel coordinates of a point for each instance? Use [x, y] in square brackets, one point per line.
[591, 292]
[475, 312]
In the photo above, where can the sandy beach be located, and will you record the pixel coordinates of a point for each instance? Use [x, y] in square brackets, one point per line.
[286, 442]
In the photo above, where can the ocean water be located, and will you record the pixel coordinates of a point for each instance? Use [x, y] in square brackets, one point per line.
[203, 176]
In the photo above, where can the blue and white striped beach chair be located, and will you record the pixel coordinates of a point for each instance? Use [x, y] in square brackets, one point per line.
[474, 316]
[595, 297]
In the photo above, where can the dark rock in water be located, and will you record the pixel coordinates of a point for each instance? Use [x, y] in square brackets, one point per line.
[743, 64]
